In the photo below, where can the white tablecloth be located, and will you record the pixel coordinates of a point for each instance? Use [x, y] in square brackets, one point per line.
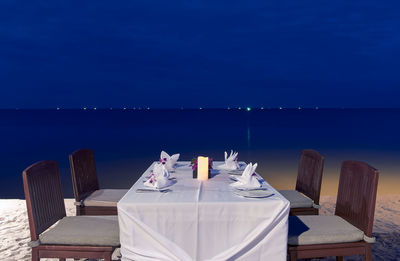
[201, 220]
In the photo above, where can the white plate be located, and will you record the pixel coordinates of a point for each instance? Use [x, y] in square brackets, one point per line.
[233, 177]
[235, 172]
[147, 178]
[247, 188]
[145, 190]
[254, 193]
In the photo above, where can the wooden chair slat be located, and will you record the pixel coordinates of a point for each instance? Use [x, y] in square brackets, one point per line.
[309, 177]
[44, 197]
[357, 191]
[83, 171]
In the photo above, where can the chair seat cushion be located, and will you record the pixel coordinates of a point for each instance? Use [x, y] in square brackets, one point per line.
[105, 197]
[297, 199]
[312, 230]
[83, 231]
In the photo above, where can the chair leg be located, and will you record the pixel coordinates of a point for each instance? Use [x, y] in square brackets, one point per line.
[78, 211]
[339, 258]
[35, 254]
[292, 255]
[107, 256]
[368, 253]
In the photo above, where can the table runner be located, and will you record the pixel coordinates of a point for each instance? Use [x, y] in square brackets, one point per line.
[201, 220]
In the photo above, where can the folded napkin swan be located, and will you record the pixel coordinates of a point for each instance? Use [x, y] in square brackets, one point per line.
[231, 162]
[248, 179]
[169, 161]
[159, 178]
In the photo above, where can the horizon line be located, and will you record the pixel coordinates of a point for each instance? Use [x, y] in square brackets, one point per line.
[144, 108]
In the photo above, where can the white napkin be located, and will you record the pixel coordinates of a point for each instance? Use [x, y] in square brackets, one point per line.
[230, 162]
[169, 161]
[248, 179]
[159, 178]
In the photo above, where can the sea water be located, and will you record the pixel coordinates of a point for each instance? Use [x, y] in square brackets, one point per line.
[126, 142]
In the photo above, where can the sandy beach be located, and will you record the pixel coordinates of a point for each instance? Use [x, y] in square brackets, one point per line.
[14, 229]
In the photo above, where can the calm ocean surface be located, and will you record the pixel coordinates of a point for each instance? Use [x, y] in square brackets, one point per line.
[127, 142]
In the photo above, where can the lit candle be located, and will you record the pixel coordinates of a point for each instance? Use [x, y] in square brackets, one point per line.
[202, 168]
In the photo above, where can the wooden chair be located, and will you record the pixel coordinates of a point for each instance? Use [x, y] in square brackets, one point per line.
[305, 199]
[349, 231]
[89, 198]
[70, 237]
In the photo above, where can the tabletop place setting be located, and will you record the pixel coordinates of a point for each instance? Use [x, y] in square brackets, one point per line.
[246, 182]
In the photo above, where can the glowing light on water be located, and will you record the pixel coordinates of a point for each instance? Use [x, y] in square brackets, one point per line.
[248, 136]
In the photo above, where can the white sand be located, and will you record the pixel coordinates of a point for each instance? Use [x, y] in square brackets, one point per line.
[14, 229]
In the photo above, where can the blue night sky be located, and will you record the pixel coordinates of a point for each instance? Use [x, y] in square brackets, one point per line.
[199, 53]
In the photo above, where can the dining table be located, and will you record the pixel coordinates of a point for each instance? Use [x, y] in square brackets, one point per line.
[202, 220]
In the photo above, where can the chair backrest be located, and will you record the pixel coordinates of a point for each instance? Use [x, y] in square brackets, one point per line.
[43, 194]
[358, 185]
[309, 175]
[83, 171]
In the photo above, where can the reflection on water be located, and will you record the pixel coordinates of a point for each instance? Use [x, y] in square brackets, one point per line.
[126, 142]
[248, 137]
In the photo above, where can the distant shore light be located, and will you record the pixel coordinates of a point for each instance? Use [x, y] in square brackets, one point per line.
[94, 108]
[299, 108]
[58, 108]
[248, 109]
[262, 108]
[280, 108]
[239, 108]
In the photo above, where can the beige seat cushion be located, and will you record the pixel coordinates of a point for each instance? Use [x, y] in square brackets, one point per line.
[311, 230]
[297, 199]
[105, 197]
[83, 231]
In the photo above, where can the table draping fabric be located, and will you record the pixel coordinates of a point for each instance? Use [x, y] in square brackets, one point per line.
[201, 220]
